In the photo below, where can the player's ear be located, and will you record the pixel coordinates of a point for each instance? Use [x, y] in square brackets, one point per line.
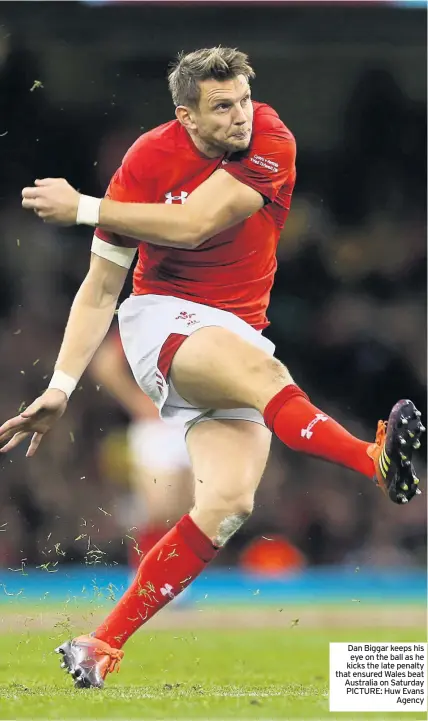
[185, 117]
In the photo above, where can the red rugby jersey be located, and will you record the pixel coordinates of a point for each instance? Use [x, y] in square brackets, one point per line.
[233, 270]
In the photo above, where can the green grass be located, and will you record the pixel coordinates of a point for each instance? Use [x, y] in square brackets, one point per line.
[252, 674]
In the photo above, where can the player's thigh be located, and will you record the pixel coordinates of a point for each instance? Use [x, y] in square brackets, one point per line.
[228, 459]
[216, 368]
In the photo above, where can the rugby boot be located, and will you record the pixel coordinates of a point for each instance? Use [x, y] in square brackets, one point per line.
[89, 660]
[392, 452]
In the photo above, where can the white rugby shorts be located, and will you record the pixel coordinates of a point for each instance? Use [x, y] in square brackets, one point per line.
[152, 328]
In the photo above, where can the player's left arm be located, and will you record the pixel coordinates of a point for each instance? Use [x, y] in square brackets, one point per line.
[226, 198]
[218, 203]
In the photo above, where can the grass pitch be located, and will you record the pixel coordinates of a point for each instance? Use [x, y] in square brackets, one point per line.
[203, 674]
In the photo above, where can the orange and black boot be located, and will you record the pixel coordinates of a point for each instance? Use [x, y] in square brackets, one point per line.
[393, 449]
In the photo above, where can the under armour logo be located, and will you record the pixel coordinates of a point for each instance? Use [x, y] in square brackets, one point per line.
[167, 590]
[170, 198]
[307, 432]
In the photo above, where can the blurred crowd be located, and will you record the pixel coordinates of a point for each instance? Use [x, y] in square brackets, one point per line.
[347, 316]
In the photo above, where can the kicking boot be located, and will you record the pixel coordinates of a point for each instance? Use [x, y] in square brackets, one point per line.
[392, 452]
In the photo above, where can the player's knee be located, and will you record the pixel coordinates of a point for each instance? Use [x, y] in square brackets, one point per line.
[268, 377]
[262, 368]
[233, 512]
[275, 371]
[221, 515]
[230, 525]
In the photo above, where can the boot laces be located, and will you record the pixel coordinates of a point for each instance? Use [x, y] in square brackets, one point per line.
[115, 655]
[381, 432]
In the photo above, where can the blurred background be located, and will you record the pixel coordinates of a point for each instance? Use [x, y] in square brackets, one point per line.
[78, 83]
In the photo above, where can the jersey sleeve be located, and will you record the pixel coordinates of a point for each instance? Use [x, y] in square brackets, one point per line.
[268, 164]
[129, 184]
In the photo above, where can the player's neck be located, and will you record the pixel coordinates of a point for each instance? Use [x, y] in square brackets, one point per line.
[206, 149]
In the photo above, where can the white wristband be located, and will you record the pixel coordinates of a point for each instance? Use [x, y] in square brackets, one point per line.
[88, 210]
[63, 382]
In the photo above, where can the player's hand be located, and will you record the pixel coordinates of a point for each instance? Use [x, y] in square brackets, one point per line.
[37, 420]
[52, 199]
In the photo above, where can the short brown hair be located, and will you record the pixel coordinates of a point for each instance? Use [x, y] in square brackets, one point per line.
[191, 68]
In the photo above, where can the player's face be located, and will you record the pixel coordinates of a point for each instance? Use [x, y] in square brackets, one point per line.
[224, 118]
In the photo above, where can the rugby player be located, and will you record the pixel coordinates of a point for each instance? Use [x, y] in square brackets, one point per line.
[203, 198]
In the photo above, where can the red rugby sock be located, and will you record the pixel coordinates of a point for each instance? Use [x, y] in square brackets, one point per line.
[303, 427]
[163, 573]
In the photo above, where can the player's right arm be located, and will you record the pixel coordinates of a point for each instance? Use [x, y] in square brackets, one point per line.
[90, 318]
